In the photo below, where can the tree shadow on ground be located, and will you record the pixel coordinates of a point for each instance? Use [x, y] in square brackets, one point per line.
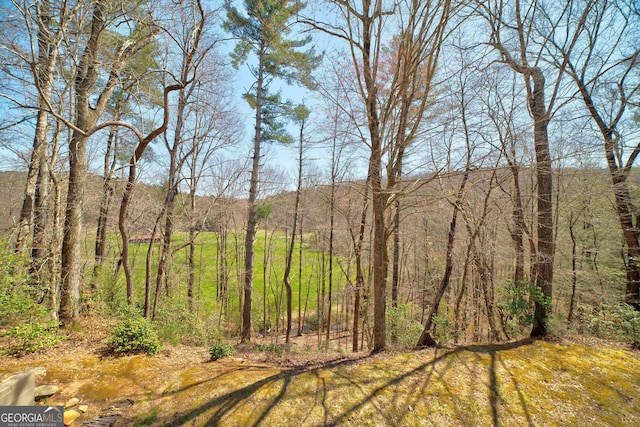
[371, 394]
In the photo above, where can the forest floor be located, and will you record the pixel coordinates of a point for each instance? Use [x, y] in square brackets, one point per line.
[569, 382]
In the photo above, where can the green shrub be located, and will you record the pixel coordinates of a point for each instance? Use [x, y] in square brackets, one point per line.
[19, 297]
[403, 327]
[270, 348]
[516, 302]
[27, 323]
[617, 322]
[176, 323]
[31, 337]
[630, 318]
[134, 335]
[220, 350]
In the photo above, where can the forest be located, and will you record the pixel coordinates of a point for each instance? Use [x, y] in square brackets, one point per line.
[370, 175]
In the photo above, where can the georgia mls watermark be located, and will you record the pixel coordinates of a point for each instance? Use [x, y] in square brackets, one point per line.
[31, 416]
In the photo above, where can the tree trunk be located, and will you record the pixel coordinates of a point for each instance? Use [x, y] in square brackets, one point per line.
[41, 211]
[36, 186]
[543, 267]
[108, 190]
[252, 216]
[332, 208]
[71, 263]
[287, 269]
[86, 78]
[395, 276]
[426, 340]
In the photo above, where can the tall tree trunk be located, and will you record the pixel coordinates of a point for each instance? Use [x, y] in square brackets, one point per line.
[41, 211]
[517, 234]
[574, 275]
[630, 234]
[55, 241]
[252, 215]
[357, 250]
[169, 201]
[34, 207]
[71, 262]
[300, 242]
[395, 275]
[287, 269]
[543, 267]
[332, 215]
[86, 78]
[191, 279]
[379, 203]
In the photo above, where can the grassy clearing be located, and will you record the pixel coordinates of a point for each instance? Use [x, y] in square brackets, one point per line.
[268, 269]
[525, 383]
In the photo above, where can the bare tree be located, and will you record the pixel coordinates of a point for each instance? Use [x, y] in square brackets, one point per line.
[86, 116]
[190, 49]
[301, 114]
[516, 24]
[421, 30]
[604, 73]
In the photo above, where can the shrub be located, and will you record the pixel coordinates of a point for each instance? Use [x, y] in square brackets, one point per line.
[26, 321]
[516, 303]
[220, 350]
[134, 335]
[270, 348]
[176, 323]
[630, 318]
[31, 337]
[19, 297]
[621, 322]
[403, 327]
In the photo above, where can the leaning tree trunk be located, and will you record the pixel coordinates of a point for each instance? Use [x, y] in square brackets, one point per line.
[426, 340]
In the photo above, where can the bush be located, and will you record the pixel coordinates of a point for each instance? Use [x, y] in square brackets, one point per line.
[403, 327]
[19, 298]
[220, 350]
[134, 335]
[31, 337]
[516, 302]
[270, 348]
[621, 322]
[26, 321]
[176, 323]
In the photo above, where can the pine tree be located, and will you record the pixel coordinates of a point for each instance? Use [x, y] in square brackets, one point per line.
[263, 36]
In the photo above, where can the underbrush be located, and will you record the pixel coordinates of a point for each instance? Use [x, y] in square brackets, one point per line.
[220, 350]
[613, 322]
[26, 323]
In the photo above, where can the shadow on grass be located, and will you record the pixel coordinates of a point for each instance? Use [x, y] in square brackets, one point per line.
[371, 393]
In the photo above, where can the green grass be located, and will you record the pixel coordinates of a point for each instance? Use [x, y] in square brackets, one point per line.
[267, 279]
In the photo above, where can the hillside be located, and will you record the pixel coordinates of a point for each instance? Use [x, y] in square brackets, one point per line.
[565, 383]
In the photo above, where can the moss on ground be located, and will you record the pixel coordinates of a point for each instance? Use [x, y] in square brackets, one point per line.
[527, 383]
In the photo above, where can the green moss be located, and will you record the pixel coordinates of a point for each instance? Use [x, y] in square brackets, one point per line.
[147, 418]
[539, 383]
